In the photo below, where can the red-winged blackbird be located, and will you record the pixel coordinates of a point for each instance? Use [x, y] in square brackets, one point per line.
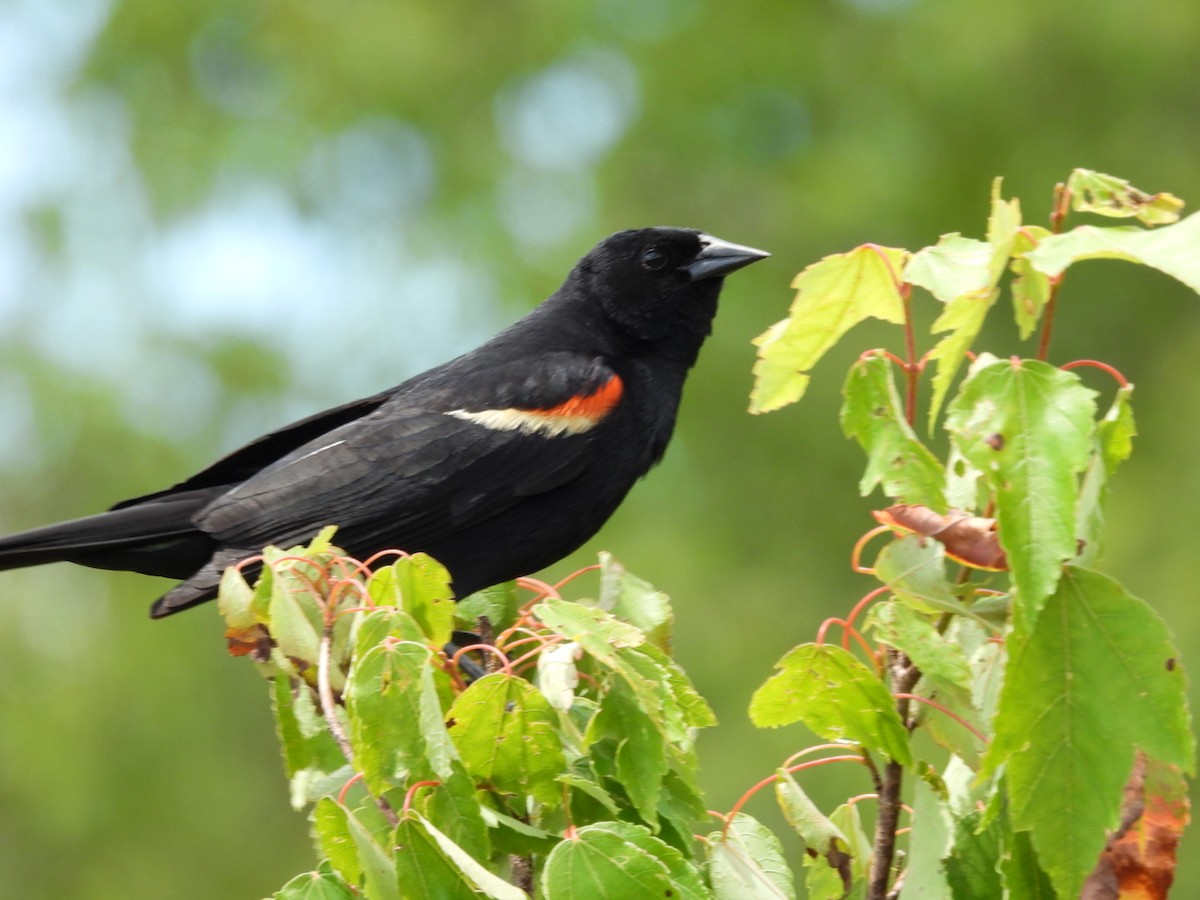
[497, 463]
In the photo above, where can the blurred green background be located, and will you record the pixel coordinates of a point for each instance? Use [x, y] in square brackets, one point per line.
[218, 216]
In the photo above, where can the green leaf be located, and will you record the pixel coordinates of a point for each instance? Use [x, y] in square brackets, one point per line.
[1107, 195]
[913, 634]
[914, 569]
[498, 603]
[833, 296]
[822, 882]
[973, 866]
[836, 696]
[454, 807]
[1030, 288]
[821, 837]
[323, 884]
[396, 726]
[641, 756]
[928, 844]
[354, 851]
[952, 267]
[295, 618]
[506, 736]
[896, 458]
[590, 788]
[1172, 249]
[963, 274]
[1117, 430]
[622, 648]
[1114, 444]
[1028, 427]
[234, 600]
[420, 585]
[1004, 220]
[309, 750]
[429, 864]
[615, 860]
[511, 835]
[599, 633]
[747, 861]
[1096, 678]
[636, 601]
[945, 729]
[684, 709]
[1023, 876]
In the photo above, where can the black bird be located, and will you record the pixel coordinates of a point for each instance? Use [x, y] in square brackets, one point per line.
[497, 463]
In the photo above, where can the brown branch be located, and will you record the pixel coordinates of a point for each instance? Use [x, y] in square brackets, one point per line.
[904, 678]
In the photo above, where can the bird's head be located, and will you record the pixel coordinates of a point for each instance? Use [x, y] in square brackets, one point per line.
[652, 281]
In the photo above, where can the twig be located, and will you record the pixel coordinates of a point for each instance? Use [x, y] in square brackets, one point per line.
[1058, 215]
[904, 678]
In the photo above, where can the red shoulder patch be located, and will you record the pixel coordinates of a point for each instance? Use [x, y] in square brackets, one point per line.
[594, 406]
[575, 415]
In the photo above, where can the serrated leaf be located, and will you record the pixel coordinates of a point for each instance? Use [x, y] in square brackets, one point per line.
[1117, 430]
[323, 884]
[295, 619]
[913, 634]
[1004, 220]
[332, 833]
[505, 732]
[396, 726]
[963, 317]
[1114, 444]
[746, 862]
[833, 295]
[615, 860]
[1097, 676]
[591, 789]
[234, 600]
[454, 807]
[963, 274]
[952, 267]
[1030, 288]
[872, 413]
[309, 750]
[825, 884]
[599, 633]
[511, 835]
[1028, 427]
[914, 568]
[1023, 876]
[353, 850]
[636, 601]
[973, 866]
[836, 696]
[429, 864]
[420, 585]
[821, 837]
[1173, 249]
[641, 756]
[944, 729]
[1107, 195]
[611, 643]
[499, 604]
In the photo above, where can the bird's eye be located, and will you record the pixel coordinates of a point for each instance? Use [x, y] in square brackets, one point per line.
[653, 258]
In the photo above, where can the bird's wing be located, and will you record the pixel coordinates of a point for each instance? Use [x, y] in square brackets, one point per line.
[428, 462]
[243, 463]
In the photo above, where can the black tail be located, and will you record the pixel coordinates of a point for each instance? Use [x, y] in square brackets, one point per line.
[156, 538]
